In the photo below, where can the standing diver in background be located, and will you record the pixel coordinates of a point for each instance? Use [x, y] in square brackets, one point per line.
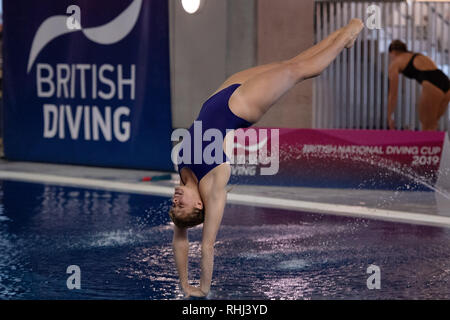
[435, 94]
[238, 103]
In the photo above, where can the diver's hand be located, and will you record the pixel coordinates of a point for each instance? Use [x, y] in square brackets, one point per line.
[191, 291]
[196, 292]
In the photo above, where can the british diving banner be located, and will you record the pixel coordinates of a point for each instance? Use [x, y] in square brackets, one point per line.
[87, 82]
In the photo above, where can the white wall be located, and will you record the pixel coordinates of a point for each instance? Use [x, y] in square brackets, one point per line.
[228, 36]
[205, 48]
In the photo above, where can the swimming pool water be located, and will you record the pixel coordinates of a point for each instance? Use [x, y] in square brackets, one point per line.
[122, 244]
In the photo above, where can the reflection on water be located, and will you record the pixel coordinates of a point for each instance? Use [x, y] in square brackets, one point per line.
[122, 244]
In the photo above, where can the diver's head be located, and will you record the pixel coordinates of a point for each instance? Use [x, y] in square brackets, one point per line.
[187, 207]
[397, 47]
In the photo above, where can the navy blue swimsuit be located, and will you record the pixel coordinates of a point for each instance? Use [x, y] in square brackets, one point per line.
[215, 114]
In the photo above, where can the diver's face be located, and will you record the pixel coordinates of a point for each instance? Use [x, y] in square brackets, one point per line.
[186, 199]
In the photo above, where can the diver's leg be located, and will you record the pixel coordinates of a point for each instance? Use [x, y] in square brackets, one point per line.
[255, 96]
[443, 105]
[429, 102]
[244, 75]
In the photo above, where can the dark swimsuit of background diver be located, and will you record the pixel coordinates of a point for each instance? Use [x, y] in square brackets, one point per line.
[215, 113]
[436, 77]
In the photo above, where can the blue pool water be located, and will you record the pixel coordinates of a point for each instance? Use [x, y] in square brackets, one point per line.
[122, 244]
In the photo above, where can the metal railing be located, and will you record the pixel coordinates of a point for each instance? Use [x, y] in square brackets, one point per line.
[353, 92]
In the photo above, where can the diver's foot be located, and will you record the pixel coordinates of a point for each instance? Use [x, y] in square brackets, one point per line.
[354, 28]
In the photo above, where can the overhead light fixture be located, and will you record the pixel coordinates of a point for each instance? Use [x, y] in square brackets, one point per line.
[192, 6]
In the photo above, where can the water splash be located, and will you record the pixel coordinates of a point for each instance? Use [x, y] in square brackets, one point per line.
[383, 163]
[405, 171]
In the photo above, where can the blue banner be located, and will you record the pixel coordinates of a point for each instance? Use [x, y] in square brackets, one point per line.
[87, 82]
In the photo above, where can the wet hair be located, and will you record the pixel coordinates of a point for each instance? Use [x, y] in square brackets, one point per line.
[190, 220]
[398, 45]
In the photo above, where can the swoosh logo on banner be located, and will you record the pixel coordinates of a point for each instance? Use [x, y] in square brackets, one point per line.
[110, 33]
[252, 148]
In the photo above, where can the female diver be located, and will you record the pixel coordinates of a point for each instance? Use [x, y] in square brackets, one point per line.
[435, 84]
[238, 103]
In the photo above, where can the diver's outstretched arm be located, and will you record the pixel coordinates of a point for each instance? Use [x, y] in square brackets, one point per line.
[393, 93]
[180, 244]
[214, 207]
[214, 195]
